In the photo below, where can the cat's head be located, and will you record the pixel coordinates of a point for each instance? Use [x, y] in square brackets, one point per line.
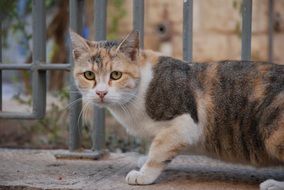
[106, 72]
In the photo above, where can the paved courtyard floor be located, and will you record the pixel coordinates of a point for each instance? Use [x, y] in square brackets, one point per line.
[39, 169]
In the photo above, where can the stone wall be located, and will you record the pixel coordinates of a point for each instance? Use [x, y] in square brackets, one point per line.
[216, 28]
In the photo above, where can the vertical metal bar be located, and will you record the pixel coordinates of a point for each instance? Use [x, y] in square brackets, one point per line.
[187, 29]
[98, 132]
[75, 122]
[138, 20]
[270, 30]
[246, 29]
[0, 63]
[39, 76]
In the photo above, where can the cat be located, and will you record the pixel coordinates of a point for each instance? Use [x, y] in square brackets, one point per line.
[230, 110]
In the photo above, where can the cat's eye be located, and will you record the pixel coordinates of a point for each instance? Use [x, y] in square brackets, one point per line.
[115, 75]
[89, 75]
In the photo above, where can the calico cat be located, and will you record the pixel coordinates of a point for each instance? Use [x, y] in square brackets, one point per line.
[230, 110]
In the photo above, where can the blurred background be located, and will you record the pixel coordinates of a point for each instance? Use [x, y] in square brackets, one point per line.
[216, 36]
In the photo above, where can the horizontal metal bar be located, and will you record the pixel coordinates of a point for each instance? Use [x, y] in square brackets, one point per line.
[15, 67]
[18, 115]
[81, 154]
[60, 66]
[56, 66]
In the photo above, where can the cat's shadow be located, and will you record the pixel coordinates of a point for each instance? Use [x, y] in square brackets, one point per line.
[204, 169]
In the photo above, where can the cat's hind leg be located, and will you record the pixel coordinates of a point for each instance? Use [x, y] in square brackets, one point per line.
[275, 147]
[274, 130]
[165, 146]
[275, 142]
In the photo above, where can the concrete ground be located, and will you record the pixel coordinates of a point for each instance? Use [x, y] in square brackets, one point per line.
[39, 169]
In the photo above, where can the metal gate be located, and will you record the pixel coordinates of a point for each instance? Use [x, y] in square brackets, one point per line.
[39, 67]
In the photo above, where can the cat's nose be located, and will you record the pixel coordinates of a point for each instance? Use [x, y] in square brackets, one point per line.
[101, 94]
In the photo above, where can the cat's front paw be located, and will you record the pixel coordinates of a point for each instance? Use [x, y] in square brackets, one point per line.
[138, 178]
[271, 184]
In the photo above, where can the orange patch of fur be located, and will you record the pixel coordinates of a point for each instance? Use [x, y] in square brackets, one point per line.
[165, 140]
[153, 164]
[210, 81]
[204, 98]
[275, 143]
[148, 56]
[84, 83]
[258, 91]
[176, 149]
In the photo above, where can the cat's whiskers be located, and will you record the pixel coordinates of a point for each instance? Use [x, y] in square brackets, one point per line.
[128, 113]
[133, 103]
[85, 106]
[71, 104]
[134, 117]
[131, 94]
[130, 101]
[78, 120]
[86, 110]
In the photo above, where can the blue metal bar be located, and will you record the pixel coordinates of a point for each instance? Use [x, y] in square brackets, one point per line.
[138, 20]
[246, 29]
[98, 124]
[39, 49]
[270, 30]
[187, 29]
[76, 22]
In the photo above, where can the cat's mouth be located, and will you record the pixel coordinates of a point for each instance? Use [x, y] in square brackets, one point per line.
[104, 102]
[101, 102]
[112, 101]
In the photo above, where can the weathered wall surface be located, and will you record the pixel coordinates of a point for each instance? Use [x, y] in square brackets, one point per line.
[216, 28]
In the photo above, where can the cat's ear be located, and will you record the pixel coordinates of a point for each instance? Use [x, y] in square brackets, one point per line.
[130, 45]
[79, 44]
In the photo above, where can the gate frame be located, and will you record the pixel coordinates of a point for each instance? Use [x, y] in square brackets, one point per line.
[39, 67]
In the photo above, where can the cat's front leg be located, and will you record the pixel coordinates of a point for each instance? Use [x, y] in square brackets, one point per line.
[165, 146]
